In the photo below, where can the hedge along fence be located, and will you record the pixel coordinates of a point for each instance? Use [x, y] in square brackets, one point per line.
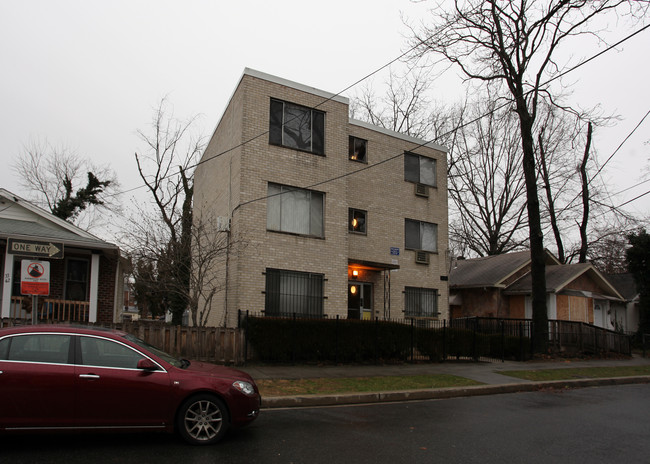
[276, 339]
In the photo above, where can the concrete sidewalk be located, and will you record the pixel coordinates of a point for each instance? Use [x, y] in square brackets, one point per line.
[488, 374]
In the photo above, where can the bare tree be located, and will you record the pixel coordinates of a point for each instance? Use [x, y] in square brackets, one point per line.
[486, 184]
[559, 138]
[515, 45]
[405, 107]
[158, 272]
[69, 186]
[166, 168]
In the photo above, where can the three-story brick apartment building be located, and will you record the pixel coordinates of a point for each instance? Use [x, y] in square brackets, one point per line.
[326, 216]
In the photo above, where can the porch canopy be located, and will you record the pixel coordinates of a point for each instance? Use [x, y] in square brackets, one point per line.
[368, 271]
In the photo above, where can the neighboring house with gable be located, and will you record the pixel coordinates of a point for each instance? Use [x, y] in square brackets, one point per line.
[501, 286]
[476, 285]
[328, 216]
[85, 276]
[626, 313]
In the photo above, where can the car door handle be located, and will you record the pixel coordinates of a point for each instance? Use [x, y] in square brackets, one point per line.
[88, 376]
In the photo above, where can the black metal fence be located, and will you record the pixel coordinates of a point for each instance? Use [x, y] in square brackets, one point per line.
[295, 339]
[339, 340]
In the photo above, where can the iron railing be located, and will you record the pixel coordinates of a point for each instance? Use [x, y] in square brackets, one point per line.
[296, 339]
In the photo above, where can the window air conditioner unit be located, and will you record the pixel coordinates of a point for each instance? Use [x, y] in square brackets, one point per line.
[223, 224]
[421, 190]
[422, 257]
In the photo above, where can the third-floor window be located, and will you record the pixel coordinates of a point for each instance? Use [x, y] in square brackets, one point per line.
[297, 126]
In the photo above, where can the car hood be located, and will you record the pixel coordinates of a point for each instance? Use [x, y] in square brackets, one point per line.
[215, 370]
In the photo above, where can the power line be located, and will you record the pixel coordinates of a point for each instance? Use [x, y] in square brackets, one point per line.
[620, 145]
[415, 147]
[603, 166]
[634, 199]
[478, 118]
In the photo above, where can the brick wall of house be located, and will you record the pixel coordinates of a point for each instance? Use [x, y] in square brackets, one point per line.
[106, 290]
[241, 177]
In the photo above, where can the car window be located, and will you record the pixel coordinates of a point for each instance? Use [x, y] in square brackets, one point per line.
[45, 348]
[108, 353]
[152, 349]
[4, 347]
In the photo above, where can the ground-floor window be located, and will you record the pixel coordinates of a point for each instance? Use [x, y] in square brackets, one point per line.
[420, 302]
[76, 280]
[294, 292]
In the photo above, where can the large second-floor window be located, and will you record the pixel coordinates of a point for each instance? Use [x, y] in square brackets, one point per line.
[297, 126]
[294, 210]
[420, 235]
[419, 169]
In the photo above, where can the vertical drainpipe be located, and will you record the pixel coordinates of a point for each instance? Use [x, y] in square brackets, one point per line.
[230, 214]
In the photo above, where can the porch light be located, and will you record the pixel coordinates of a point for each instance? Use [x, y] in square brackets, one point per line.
[355, 273]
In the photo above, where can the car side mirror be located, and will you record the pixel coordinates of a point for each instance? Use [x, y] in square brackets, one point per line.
[147, 365]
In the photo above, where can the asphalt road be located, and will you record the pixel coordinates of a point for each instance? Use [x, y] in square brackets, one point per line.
[592, 425]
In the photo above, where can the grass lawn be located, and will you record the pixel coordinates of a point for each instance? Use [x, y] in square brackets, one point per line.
[319, 386]
[579, 373]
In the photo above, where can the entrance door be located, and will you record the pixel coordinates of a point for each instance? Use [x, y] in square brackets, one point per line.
[360, 300]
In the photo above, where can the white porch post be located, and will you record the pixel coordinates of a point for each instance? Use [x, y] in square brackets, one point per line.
[94, 287]
[7, 281]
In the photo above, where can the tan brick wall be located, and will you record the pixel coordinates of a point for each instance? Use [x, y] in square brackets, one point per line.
[381, 190]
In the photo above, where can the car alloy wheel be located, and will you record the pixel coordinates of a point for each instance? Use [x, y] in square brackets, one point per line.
[203, 420]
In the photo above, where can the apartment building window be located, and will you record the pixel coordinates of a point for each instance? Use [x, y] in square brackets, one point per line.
[297, 126]
[293, 292]
[420, 302]
[421, 235]
[419, 169]
[294, 210]
[357, 149]
[357, 220]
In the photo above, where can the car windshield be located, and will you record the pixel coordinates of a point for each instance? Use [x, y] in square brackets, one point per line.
[182, 363]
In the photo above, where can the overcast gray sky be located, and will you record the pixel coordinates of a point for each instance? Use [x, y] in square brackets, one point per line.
[87, 74]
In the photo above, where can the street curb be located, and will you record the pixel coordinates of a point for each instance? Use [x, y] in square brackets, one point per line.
[276, 402]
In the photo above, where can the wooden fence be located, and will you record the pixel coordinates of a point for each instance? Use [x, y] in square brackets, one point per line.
[210, 344]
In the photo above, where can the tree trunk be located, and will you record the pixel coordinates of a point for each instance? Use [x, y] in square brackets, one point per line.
[551, 202]
[585, 199]
[537, 264]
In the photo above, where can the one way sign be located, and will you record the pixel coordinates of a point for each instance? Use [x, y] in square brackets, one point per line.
[35, 249]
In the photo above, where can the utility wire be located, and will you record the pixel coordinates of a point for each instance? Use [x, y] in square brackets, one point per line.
[568, 205]
[478, 118]
[415, 147]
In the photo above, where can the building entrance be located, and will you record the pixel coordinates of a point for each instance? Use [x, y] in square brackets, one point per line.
[360, 300]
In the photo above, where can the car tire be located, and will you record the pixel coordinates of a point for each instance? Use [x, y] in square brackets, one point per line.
[203, 420]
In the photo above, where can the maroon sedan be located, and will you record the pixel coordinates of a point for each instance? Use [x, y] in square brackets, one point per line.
[79, 378]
